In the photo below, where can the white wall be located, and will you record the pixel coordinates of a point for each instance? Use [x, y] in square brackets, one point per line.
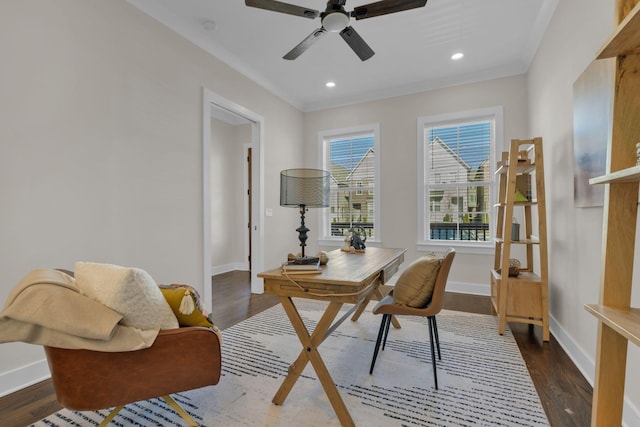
[100, 147]
[578, 29]
[398, 145]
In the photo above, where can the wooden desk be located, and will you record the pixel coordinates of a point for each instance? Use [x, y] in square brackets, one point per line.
[346, 279]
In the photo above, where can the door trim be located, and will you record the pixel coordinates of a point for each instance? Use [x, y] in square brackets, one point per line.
[210, 98]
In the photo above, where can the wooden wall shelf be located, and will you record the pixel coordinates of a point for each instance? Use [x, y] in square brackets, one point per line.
[626, 38]
[618, 322]
[631, 174]
[625, 321]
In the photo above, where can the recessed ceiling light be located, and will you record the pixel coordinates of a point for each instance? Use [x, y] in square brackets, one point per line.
[209, 25]
[330, 84]
[457, 56]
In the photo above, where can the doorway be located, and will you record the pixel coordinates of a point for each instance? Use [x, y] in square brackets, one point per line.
[217, 109]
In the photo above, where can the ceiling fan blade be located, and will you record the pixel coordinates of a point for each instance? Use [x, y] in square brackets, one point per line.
[278, 6]
[359, 46]
[385, 7]
[305, 44]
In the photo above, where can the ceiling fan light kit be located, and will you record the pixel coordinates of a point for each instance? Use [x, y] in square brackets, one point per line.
[336, 20]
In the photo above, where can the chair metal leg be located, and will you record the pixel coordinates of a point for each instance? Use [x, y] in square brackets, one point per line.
[434, 325]
[386, 330]
[433, 352]
[378, 341]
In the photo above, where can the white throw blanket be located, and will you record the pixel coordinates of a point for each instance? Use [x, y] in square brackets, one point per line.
[47, 308]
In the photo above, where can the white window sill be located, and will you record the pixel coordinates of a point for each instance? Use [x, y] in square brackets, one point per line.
[340, 243]
[480, 248]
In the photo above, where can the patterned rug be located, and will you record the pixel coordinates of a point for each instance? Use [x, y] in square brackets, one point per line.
[482, 378]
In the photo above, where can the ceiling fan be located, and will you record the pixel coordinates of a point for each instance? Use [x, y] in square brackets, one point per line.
[335, 19]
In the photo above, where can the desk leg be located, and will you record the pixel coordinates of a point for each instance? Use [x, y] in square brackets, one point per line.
[376, 292]
[310, 353]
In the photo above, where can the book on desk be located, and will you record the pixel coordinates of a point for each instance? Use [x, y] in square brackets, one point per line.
[295, 268]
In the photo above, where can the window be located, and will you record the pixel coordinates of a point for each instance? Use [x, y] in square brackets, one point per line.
[456, 180]
[350, 155]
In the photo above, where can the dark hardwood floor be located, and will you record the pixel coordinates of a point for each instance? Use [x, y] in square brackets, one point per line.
[565, 394]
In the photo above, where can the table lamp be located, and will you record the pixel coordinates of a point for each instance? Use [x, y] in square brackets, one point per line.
[304, 188]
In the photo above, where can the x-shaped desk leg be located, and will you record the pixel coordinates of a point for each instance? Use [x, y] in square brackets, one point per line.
[310, 353]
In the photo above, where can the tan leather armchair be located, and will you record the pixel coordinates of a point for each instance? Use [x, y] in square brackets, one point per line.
[179, 360]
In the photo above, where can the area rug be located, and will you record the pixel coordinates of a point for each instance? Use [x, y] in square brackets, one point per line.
[482, 378]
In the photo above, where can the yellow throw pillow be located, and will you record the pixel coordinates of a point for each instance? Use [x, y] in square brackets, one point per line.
[415, 285]
[185, 303]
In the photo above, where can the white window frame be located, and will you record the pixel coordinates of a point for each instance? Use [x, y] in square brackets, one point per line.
[325, 238]
[490, 113]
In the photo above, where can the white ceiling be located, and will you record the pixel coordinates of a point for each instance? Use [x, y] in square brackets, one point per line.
[413, 48]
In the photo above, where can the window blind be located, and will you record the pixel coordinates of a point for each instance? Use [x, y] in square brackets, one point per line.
[457, 181]
[352, 166]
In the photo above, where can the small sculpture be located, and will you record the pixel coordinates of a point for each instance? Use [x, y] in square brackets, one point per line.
[358, 238]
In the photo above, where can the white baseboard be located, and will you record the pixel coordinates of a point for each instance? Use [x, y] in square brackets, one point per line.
[242, 266]
[587, 366]
[459, 287]
[469, 288]
[25, 376]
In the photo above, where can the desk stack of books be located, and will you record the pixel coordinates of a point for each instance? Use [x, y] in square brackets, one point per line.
[292, 267]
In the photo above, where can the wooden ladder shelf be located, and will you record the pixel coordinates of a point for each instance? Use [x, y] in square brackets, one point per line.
[523, 298]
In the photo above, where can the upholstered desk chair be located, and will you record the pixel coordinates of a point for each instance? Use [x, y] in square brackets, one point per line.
[388, 307]
[180, 359]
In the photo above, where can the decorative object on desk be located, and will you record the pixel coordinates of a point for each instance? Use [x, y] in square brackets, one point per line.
[324, 258]
[347, 242]
[257, 354]
[515, 230]
[514, 267]
[304, 188]
[358, 237]
[637, 153]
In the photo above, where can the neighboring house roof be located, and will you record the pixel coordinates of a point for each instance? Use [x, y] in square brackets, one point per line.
[451, 152]
[360, 162]
[340, 174]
